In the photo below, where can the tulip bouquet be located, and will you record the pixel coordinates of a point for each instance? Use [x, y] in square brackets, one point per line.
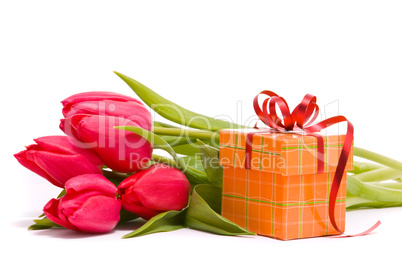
[107, 167]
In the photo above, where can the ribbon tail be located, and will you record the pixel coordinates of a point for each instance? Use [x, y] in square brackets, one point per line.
[339, 172]
[340, 169]
[366, 232]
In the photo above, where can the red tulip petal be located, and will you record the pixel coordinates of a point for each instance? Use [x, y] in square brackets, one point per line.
[129, 196]
[63, 167]
[61, 125]
[24, 161]
[62, 144]
[120, 150]
[141, 211]
[91, 182]
[163, 188]
[72, 201]
[55, 143]
[129, 181]
[50, 211]
[94, 96]
[68, 126]
[130, 110]
[99, 214]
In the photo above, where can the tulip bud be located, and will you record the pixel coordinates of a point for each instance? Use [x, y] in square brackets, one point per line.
[120, 150]
[108, 104]
[57, 160]
[89, 205]
[152, 191]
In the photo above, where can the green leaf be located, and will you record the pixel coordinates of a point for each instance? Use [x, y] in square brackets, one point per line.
[194, 161]
[191, 149]
[195, 175]
[34, 227]
[204, 212]
[61, 194]
[177, 141]
[43, 223]
[174, 112]
[210, 161]
[155, 140]
[163, 222]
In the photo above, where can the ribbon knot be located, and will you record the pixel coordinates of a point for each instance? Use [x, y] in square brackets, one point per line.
[302, 118]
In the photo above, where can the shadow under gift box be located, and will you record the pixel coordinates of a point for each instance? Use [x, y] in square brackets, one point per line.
[281, 195]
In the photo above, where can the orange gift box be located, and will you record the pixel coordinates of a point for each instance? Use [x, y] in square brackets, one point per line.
[281, 195]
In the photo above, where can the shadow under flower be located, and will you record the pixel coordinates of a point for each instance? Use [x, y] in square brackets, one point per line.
[64, 233]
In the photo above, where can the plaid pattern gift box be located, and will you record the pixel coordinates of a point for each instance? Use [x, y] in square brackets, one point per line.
[282, 195]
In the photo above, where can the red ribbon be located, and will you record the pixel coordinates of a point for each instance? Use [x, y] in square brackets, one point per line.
[302, 118]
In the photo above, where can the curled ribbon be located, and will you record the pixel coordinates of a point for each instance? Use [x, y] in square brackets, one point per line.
[302, 118]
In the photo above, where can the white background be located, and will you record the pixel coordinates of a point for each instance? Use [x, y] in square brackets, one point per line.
[207, 56]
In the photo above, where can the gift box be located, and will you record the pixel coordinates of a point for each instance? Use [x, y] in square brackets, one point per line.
[282, 195]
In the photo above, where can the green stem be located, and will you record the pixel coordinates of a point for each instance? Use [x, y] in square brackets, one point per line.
[389, 185]
[355, 202]
[114, 175]
[177, 141]
[375, 157]
[188, 133]
[373, 192]
[162, 124]
[361, 167]
[379, 174]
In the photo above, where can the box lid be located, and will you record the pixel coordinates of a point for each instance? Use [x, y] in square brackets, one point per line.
[285, 153]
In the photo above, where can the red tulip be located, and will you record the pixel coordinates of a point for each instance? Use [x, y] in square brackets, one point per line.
[57, 160]
[108, 104]
[158, 189]
[120, 150]
[89, 205]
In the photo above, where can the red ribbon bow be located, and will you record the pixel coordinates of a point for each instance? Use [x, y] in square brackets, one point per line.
[302, 118]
